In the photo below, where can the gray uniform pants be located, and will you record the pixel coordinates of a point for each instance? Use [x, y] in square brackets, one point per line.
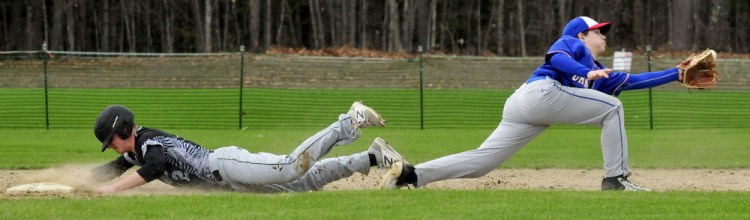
[528, 112]
[245, 171]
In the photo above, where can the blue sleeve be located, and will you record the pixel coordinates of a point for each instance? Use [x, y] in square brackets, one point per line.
[612, 85]
[567, 64]
[650, 79]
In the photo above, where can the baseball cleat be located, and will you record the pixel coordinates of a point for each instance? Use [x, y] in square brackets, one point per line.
[384, 153]
[621, 182]
[363, 116]
[397, 176]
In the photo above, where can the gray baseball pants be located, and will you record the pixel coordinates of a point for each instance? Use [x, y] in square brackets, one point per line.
[298, 171]
[527, 113]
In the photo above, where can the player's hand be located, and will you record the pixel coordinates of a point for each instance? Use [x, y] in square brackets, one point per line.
[597, 74]
[106, 189]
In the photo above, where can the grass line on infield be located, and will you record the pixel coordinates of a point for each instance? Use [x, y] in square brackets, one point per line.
[402, 204]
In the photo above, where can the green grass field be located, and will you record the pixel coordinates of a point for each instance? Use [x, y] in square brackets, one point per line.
[413, 204]
[278, 120]
[665, 148]
[312, 108]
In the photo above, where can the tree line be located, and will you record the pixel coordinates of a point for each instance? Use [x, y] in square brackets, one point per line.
[469, 27]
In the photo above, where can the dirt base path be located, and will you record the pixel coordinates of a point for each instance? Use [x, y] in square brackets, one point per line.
[557, 179]
[568, 179]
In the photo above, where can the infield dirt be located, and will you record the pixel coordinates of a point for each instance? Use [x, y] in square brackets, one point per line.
[77, 175]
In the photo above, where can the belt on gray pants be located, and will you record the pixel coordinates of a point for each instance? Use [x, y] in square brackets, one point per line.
[216, 173]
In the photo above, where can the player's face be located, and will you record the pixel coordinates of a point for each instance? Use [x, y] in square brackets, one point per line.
[121, 146]
[595, 41]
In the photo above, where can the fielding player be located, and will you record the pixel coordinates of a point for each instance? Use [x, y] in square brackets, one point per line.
[570, 87]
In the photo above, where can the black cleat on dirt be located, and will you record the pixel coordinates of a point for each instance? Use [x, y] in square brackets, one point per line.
[621, 182]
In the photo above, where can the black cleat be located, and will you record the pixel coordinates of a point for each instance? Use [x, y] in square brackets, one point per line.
[621, 182]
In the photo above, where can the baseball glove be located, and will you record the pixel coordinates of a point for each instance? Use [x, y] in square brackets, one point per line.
[698, 71]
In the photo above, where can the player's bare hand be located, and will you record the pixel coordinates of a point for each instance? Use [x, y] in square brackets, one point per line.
[597, 74]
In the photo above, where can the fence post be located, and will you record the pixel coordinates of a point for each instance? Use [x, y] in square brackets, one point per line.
[650, 99]
[242, 81]
[421, 90]
[46, 96]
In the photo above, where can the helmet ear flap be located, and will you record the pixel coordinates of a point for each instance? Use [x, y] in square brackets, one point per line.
[125, 130]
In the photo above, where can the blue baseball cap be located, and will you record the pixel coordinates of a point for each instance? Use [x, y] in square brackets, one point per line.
[583, 23]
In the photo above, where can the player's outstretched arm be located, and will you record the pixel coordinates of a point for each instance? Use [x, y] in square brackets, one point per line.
[650, 79]
[110, 170]
[130, 181]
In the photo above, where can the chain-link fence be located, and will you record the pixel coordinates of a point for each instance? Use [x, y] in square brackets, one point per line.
[236, 90]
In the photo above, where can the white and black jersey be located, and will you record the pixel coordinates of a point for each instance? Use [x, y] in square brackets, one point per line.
[172, 159]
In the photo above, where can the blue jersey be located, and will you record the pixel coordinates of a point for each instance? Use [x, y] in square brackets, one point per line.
[568, 61]
[575, 76]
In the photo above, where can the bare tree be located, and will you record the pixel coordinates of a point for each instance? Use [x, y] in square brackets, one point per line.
[562, 14]
[351, 11]
[4, 14]
[292, 27]
[198, 25]
[479, 27]
[407, 24]
[149, 38]
[254, 24]
[500, 27]
[521, 27]
[105, 26]
[718, 21]
[464, 27]
[207, 29]
[127, 9]
[315, 26]
[282, 16]
[394, 39]
[69, 27]
[321, 26]
[226, 24]
[267, 27]
[423, 20]
[46, 19]
[681, 26]
[34, 24]
[167, 39]
[333, 20]
[363, 24]
[97, 30]
[433, 25]
[56, 35]
[640, 23]
[444, 30]
[742, 40]
[319, 39]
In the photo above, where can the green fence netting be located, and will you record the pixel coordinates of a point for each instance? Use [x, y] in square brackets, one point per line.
[235, 90]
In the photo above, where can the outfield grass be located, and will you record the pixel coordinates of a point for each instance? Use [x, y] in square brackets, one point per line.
[555, 148]
[403, 204]
[311, 108]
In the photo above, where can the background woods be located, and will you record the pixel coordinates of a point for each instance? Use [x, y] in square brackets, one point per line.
[471, 27]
